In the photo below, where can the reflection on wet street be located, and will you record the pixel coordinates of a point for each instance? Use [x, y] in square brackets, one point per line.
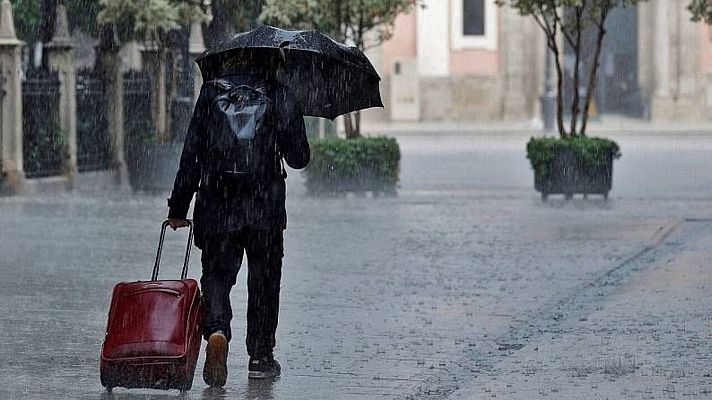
[253, 390]
[379, 295]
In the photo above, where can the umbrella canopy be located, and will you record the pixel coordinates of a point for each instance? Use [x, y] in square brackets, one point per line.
[328, 78]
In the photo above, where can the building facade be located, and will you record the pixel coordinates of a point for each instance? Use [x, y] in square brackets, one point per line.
[471, 60]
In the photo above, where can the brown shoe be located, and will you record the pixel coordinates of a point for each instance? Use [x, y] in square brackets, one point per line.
[215, 369]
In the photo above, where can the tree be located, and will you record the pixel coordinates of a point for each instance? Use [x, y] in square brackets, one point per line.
[701, 11]
[135, 19]
[34, 19]
[83, 15]
[362, 23]
[161, 25]
[28, 18]
[149, 20]
[229, 17]
[563, 23]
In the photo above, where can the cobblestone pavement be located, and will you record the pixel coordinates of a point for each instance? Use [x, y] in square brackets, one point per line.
[440, 291]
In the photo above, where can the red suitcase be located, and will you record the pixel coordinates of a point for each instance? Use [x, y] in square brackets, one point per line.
[154, 331]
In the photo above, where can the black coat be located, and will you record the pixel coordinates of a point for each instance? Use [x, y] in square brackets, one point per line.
[226, 206]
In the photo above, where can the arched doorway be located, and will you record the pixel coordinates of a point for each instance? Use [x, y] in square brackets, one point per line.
[617, 88]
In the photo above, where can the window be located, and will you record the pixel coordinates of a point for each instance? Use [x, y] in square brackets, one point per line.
[473, 18]
[474, 24]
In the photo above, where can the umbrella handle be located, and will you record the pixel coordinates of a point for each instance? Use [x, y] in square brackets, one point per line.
[282, 54]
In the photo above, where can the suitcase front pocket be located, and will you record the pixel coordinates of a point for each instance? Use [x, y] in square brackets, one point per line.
[149, 321]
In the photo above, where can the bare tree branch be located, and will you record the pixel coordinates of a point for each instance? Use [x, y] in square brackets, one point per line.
[594, 70]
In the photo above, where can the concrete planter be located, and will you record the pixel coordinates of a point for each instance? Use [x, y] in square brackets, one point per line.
[364, 180]
[340, 166]
[568, 175]
[152, 167]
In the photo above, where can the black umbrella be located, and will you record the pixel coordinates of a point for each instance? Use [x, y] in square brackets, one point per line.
[328, 78]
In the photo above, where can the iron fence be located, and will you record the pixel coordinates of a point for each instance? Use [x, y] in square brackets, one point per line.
[93, 141]
[138, 118]
[44, 145]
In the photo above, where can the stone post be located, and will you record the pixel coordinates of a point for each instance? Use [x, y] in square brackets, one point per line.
[662, 102]
[154, 60]
[514, 104]
[109, 66]
[690, 101]
[646, 65]
[677, 95]
[61, 58]
[195, 47]
[10, 104]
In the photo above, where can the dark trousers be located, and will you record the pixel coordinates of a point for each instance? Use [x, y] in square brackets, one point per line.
[222, 257]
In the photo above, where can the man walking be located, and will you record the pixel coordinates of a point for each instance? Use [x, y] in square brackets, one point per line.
[240, 204]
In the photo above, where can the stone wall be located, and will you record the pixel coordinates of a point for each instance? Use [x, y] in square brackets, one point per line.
[669, 63]
[675, 83]
[461, 98]
[510, 94]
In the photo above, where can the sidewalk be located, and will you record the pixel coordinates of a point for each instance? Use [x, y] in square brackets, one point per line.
[605, 125]
[650, 338]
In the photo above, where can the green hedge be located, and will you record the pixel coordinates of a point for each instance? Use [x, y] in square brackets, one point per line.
[353, 165]
[591, 151]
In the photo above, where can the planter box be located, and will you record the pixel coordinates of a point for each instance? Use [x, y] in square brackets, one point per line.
[567, 175]
[365, 180]
[152, 167]
[340, 166]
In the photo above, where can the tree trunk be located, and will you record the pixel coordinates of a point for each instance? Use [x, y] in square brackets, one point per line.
[594, 68]
[49, 16]
[220, 26]
[249, 14]
[351, 125]
[575, 106]
[559, 92]
[357, 117]
[46, 28]
[338, 22]
[348, 128]
[108, 65]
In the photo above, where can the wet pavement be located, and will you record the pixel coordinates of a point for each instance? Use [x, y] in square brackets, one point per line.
[647, 338]
[448, 289]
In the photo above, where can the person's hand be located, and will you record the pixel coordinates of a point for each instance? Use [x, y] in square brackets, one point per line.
[176, 223]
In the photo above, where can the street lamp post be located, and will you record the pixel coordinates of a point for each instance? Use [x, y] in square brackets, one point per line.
[182, 105]
[548, 113]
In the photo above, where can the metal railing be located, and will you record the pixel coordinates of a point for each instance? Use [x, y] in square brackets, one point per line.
[93, 141]
[44, 147]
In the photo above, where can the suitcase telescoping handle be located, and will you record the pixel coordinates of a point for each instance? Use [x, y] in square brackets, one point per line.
[156, 267]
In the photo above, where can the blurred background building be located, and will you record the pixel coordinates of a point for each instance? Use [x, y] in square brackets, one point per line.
[471, 60]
